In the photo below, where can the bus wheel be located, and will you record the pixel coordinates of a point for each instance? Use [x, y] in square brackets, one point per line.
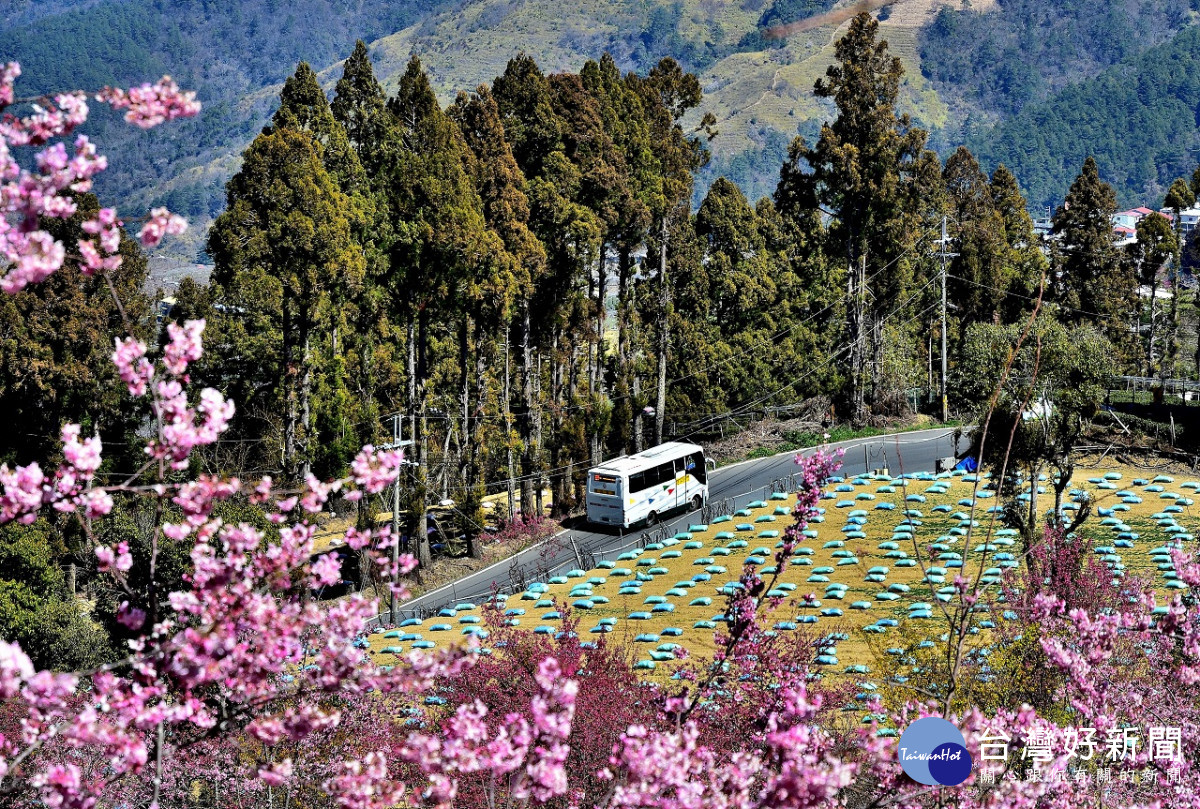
[652, 518]
[697, 503]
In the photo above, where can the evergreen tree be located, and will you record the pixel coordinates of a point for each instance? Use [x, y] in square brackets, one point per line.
[56, 352]
[858, 170]
[501, 188]
[624, 119]
[668, 93]
[1025, 262]
[37, 610]
[700, 355]
[1155, 247]
[562, 167]
[304, 107]
[1095, 285]
[742, 291]
[530, 121]
[603, 189]
[1179, 196]
[285, 238]
[807, 308]
[375, 347]
[978, 273]
[803, 240]
[360, 106]
[443, 258]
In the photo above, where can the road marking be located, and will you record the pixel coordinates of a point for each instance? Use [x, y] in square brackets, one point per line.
[920, 434]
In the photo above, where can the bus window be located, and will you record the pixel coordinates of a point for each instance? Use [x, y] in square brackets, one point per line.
[695, 465]
[666, 473]
[637, 482]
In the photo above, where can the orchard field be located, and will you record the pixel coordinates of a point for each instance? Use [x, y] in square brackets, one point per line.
[869, 581]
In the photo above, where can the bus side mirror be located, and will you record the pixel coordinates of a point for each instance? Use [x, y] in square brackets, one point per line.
[710, 464]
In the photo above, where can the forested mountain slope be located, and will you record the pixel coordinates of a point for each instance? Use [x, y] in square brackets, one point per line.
[1138, 119]
[227, 51]
[970, 67]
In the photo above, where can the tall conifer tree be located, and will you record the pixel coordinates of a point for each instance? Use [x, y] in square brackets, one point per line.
[860, 166]
[1095, 283]
[285, 232]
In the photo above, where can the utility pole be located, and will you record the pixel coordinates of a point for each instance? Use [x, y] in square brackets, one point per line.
[397, 443]
[857, 281]
[508, 440]
[945, 404]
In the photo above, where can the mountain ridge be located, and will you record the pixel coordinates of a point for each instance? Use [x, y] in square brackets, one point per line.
[759, 89]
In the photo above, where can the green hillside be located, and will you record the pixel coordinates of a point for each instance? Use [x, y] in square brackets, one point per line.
[227, 52]
[1139, 120]
[968, 69]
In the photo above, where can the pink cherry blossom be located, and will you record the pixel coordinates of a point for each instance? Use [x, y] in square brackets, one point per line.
[149, 105]
[161, 223]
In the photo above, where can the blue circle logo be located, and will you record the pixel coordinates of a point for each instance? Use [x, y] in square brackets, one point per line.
[932, 751]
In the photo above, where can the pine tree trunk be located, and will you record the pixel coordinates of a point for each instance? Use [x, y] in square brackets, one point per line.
[289, 392]
[557, 474]
[424, 552]
[1150, 342]
[660, 410]
[465, 449]
[306, 438]
[567, 458]
[598, 371]
[367, 371]
[475, 493]
[526, 422]
[624, 264]
[539, 427]
[855, 277]
[876, 356]
[1197, 307]
[639, 426]
[1171, 338]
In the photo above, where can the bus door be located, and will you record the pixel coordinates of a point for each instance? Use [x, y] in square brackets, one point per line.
[680, 482]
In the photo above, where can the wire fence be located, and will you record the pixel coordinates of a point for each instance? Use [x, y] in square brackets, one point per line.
[1152, 390]
[566, 551]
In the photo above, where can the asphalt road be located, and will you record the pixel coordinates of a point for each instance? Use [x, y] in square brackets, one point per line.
[730, 488]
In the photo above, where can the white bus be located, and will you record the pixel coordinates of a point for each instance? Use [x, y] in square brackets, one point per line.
[643, 487]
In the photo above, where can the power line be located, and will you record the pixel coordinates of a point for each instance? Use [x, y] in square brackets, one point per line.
[752, 404]
[1064, 306]
[741, 409]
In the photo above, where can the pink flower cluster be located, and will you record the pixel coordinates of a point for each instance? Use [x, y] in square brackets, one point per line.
[26, 489]
[152, 104]
[528, 754]
[181, 428]
[161, 223]
[375, 471]
[27, 197]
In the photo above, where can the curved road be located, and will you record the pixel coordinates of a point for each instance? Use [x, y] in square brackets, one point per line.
[730, 488]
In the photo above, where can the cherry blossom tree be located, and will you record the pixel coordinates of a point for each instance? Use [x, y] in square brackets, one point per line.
[243, 684]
